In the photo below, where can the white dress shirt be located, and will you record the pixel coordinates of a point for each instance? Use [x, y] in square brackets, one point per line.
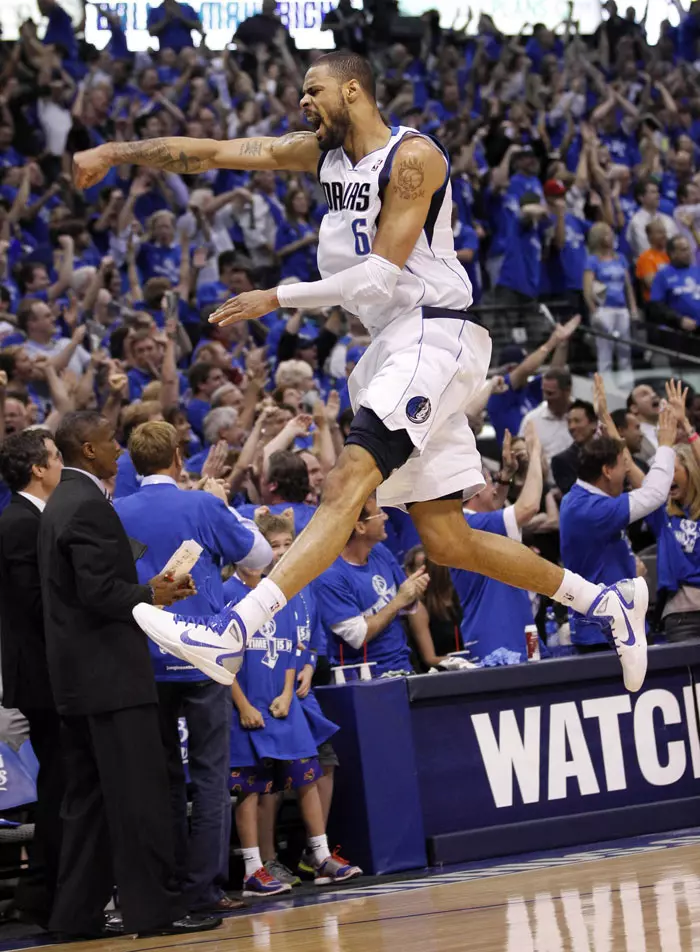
[98, 482]
[553, 431]
[39, 503]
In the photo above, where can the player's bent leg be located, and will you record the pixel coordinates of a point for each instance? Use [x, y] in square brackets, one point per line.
[349, 484]
[449, 540]
[620, 609]
[215, 644]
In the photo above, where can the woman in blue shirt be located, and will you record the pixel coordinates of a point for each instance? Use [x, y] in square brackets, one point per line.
[608, 293]
[297, 239]
[677, 529]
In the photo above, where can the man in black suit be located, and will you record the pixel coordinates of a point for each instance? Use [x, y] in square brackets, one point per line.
[31, 467]
[116, 820]
[583, 425]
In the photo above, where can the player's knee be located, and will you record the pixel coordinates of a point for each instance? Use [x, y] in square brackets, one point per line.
[444, 535]
[351, 481]
[436, 548]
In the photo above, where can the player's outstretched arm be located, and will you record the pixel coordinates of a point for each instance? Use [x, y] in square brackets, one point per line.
[418, 172]
[294, 152]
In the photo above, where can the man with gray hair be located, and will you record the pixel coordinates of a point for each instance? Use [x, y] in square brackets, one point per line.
[220, 425]
[549, 418]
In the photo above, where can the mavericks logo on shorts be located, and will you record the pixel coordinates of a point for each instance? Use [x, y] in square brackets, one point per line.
[418, 409]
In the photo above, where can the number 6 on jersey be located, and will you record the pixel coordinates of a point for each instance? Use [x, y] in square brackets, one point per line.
[361, 237]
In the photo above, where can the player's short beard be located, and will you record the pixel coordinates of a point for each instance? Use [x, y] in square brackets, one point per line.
[337, 128]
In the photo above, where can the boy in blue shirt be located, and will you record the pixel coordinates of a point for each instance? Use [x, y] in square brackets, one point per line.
[281, 751]
[596, 512]
[361, 596]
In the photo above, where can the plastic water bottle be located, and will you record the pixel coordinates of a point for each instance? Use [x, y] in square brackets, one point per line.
[551, 628]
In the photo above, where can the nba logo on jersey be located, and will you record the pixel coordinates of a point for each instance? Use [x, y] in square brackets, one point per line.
[418, 409]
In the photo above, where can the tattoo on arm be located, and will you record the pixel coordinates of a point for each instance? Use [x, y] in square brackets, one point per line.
[410, 176]
[251, 147]
[157, 155]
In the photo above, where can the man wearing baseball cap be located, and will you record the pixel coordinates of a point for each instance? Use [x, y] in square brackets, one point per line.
[567, 259]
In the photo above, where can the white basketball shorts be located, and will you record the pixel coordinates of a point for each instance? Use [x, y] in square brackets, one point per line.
[419, 374]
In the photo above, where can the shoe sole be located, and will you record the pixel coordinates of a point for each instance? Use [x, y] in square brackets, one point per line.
[213, 670]
[634, 679]
[328, 880]
[143, 617]
[251, 894]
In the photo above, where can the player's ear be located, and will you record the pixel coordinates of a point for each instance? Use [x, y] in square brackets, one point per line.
[351, 90]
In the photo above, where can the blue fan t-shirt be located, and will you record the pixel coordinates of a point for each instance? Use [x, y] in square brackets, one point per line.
[269, 654]
[610, 272]
[677, 550]
[161, 515]
[346, 591]
[679, 288]
[495, 615]
[594, 544]
[506, 410]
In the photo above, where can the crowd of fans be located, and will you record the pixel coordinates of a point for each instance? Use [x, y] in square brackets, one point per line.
[575, 182]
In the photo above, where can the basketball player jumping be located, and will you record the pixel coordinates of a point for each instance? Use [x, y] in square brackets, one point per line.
[386, 254]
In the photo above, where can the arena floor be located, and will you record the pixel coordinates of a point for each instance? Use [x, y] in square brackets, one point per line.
[639, 895]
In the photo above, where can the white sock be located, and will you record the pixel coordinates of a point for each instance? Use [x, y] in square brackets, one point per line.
[251, 858]
[318, 847]
[260, 604]
[576, 592]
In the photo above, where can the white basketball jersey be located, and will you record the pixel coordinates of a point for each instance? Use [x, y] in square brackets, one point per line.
[432, 276]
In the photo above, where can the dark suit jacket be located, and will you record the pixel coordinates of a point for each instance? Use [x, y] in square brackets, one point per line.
[98, 657]
[25, 675]
[565, 468]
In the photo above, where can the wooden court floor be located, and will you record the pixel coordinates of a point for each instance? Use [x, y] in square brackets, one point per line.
[641, 902]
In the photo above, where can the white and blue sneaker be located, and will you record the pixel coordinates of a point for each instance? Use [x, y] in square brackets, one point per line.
[214, 643]
[621, 611]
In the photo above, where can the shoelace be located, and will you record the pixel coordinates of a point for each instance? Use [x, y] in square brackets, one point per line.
[338, 858]
[263, 876]
[216, 623]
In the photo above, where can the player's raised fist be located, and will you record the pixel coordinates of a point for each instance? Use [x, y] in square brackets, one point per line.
[91, 166]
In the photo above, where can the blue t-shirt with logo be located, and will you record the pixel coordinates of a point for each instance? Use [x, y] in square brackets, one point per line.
[505, 209]
[594, 543]
[494, 614]
[346, 591]
[269, 654]
[679, 288]
[678, 549]
[161, 516]
[158, 261]
[566, 265]
[610, 272]
[522, 262]
[624, 149]
[506, 410]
